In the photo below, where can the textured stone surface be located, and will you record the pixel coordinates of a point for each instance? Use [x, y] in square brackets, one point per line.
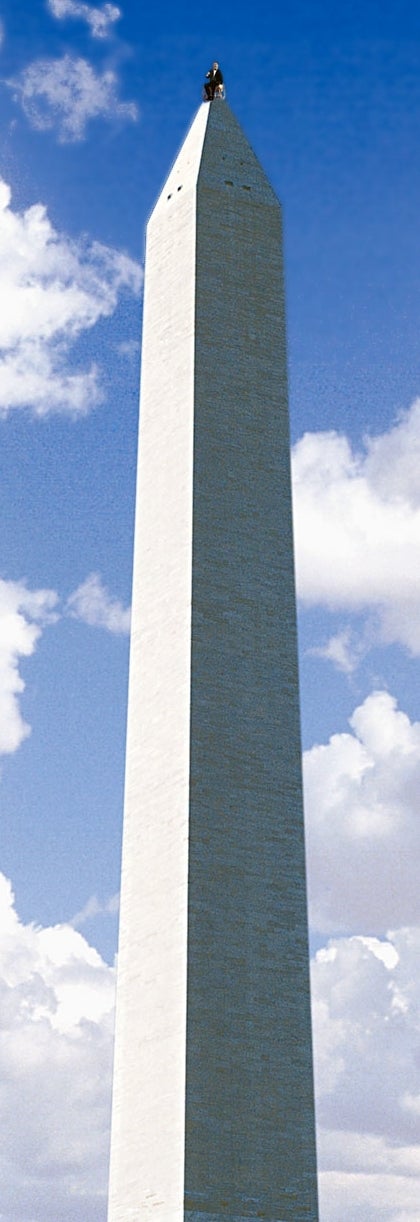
[213, 1072]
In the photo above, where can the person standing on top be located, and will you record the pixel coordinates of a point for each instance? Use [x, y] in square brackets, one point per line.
[214, 78]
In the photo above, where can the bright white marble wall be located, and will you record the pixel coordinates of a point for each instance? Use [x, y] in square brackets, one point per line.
[147, 1149]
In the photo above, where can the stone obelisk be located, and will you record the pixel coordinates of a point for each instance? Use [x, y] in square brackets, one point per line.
[213, 1114]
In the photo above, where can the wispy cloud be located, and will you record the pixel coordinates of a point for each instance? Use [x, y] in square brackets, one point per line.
[129, 348]
[23, 614]
[357, 528]
[66, 94]
[94, 908]
[344, 649]
[100, 20]
[93, 604]
[51, 290]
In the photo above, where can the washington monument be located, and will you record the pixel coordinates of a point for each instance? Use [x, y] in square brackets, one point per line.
[213, 1113]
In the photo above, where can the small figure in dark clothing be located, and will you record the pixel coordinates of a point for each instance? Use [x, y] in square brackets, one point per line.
[214, 82]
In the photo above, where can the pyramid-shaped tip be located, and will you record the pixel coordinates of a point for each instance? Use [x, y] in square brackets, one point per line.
[215, 150]
[228, 156]
[184, 172]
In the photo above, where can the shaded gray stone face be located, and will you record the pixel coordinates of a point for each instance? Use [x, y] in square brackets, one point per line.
[250, 1144]
[213, 1113]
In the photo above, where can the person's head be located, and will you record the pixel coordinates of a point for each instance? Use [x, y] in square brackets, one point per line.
[215, 65]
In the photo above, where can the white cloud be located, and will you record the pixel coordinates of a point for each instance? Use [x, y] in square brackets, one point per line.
[357, 527]
[52, 289]
[23, 613]
[56, 1021]
[362, 816]
[129, 348]
[366, 997]
[94, 908]
[93, 604]
[343, 649]
[66, 94]
[100, 20]
[370, 1198]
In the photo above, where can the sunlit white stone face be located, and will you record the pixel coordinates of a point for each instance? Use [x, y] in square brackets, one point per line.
[147, 1157]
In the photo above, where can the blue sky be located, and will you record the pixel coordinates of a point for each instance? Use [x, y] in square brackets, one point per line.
[96, 100]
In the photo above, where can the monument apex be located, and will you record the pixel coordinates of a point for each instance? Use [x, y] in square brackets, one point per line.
[213, 1113]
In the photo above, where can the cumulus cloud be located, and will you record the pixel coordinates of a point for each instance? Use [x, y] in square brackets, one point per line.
[56, 1024]
[93, 604]
[64, 95]
[357, 527]
[366, 997]
[100, 20]
[23, 614]
[52, 290]
[362, 815]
